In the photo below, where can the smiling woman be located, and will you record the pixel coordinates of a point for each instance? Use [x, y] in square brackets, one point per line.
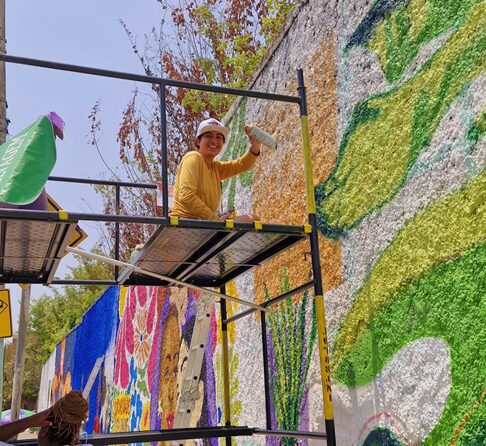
[197, 191]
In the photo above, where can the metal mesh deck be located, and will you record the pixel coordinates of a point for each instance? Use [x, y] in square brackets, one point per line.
[208, 254]
[30, 250]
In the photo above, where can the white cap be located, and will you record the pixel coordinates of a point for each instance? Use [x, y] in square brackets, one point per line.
[212, 125]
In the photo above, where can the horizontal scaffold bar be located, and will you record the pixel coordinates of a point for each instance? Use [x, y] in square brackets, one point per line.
[182, 434]
[27, 214]
[103, 182]
[101, 258]
[100, 282]
[271, 302]
[148, 79]
[156, 436]
[296, 434]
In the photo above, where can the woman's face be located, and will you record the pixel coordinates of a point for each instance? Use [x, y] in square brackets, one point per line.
[210, 144]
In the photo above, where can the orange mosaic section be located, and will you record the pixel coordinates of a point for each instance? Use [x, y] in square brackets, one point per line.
[278, 182]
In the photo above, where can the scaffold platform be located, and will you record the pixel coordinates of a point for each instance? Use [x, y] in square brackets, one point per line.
[30, 250]
[202, 255]
[209, 254]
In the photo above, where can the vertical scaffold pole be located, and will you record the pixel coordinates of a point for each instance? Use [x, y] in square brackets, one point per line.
[225, 364]
[316, 266]
[163, 144]
[117, 230]
[266, 371]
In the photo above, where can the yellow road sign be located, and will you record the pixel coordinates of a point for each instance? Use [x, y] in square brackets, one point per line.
[78, 234]
[5, 314]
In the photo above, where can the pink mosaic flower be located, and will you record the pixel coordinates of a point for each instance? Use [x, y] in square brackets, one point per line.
[124, 340]
[136, 332]
[142, 339]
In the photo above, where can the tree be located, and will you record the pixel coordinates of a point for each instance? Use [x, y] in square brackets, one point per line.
[204, 41]
[8, 367]
[52, 317]
[31, 378]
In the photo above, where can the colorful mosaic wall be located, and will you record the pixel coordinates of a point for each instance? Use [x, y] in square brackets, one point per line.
[397, 112]
[397, 115]
[131, 349]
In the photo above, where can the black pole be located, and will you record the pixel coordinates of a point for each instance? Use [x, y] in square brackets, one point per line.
[117, 229]
[272, 301]
[266, 374]
[91, 181]
[163, 141]
[63, 282]
[147, 79]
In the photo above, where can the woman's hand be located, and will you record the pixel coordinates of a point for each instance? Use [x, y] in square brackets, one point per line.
[39, 419]
[228, 216]
[246, 218]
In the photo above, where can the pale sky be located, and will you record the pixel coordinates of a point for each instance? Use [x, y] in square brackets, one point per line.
[85, 33]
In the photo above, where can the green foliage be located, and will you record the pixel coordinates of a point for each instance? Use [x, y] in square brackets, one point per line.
[52, 317]
[293, 349]
[8, 367]
[226, 42]
[278, 12]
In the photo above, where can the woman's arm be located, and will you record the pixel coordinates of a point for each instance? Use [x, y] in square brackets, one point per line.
[9, 430]
[229, 169]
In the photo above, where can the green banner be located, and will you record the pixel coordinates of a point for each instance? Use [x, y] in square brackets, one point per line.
[26, 160]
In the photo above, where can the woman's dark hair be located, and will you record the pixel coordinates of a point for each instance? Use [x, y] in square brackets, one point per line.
[67, 417]
[56, 435]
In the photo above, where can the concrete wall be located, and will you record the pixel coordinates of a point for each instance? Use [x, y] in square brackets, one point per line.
[397, 116]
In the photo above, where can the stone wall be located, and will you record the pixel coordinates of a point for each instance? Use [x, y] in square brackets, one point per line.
[397, 116]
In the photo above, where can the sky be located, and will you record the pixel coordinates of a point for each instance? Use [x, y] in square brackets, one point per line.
[84, 33]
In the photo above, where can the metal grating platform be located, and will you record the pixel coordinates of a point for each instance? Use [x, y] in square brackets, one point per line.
[30, 250]
[207, 253]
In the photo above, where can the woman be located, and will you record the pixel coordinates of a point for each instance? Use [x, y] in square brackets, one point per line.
[197, 190]
[60, 424]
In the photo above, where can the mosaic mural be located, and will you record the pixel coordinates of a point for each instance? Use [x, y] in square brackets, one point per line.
[397, 116]
[135, 363]
[427, 282]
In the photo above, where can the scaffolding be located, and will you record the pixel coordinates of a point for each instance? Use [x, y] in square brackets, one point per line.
[198, 254]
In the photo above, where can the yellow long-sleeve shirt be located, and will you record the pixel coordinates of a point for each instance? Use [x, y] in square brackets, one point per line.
[197, 190]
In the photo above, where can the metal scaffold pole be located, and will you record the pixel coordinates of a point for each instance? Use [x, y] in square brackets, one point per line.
[20, 355]
[316, 267]
[225, 365]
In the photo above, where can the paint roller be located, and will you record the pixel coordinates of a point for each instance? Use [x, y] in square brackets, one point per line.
[261, 136]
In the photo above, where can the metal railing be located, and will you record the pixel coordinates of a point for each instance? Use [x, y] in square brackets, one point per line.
[316, 282]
